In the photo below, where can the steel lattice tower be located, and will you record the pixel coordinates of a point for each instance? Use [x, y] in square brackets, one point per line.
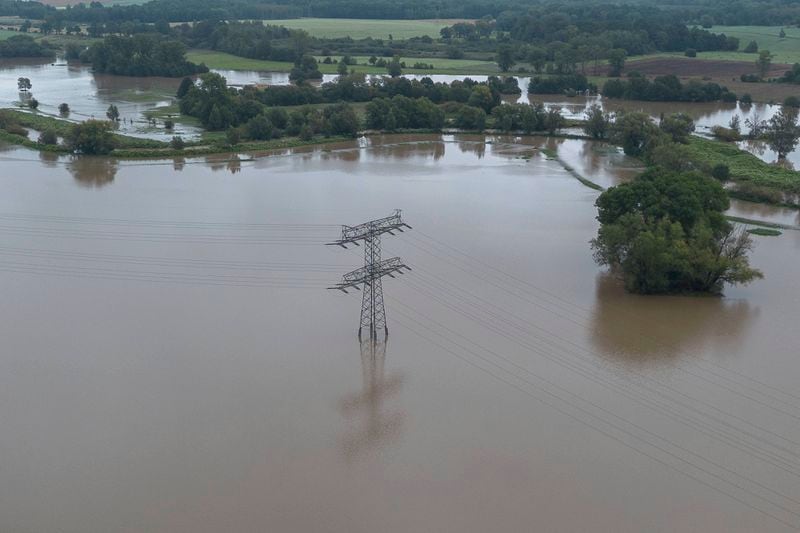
[373, 311]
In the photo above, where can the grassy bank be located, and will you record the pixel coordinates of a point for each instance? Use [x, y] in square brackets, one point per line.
[745, 168]
[223, 61]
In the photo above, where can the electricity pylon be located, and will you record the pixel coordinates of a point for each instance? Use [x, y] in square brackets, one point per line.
[373, 311]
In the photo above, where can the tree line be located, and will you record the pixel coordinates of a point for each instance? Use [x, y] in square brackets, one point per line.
[140, 55]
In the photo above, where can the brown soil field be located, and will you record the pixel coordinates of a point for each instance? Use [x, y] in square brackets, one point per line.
[693, 68]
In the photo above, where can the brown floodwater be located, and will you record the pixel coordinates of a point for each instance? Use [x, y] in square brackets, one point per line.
[173, 363]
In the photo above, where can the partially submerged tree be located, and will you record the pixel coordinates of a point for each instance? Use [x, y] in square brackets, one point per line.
[24, 84]
[782, 132]
[597, 122]
[92, 137]
[665, 232]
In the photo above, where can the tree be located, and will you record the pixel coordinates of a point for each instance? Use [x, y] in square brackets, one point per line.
[596, 125]
[764, 62]
[92, 137]
[616, 60]
[634, 132]
[33, 103]
[112, 113]
[505, 57]
[233, 136]
[394, 68]
[48, 137]
[782, 132]
[481, 96]
[259, 128]
[177, 143]
[751, 48]
[470, 118]
[678, 126]
[341, 69]
[666, 232]
[782, 34]
[63, 109]
[186, 84]
[24, 84]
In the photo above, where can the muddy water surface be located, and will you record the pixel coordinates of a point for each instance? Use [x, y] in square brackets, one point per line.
[173, 363]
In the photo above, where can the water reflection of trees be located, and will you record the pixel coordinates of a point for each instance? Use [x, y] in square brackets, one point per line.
[48, 159]
[638, 329]
[373, 426]
[93, 171]
[472, 147]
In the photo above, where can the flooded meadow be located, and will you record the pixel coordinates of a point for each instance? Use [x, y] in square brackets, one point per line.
[173, 361]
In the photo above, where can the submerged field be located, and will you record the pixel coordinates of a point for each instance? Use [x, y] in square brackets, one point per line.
[363, 28]
[221, 60]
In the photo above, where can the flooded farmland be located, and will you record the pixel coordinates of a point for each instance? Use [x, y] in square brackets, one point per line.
[90, 94]
[173, 362]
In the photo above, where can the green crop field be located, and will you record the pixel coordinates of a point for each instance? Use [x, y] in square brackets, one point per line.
[223, 61]
[363, 28]
[786, 50]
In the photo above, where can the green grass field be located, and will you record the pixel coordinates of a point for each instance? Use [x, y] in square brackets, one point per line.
[786, 50]
[363, 28]
[223, 61]
[5, 34]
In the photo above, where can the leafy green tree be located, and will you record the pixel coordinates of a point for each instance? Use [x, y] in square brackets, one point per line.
[177, 143]
[63, 109]
[751, 48]
[597, 122]
[468, 117]
[233, 136]
[112, 113]
[186, 84]
[616, 60]
[394, 68]
[341, 119]
[305, 68]
[678, 126]
[782, 132]
[481, 96]
[24, 84]
[634, 132]
[764, 62]
[666, 232]
[92, 137]
[259, 128]
[48, 137]
[505, 58]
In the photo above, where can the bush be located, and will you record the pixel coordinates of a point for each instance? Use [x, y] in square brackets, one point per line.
[746, 99]
[792, 101]
[33, 103]
[233, 136]
[92, 137]
[177, 143]
[729, 97]
[721, 172]
[690, 52]
[750, 78]
[48, 137]
[63, 109]
[16, 129]
[169, 124]
[726, 134]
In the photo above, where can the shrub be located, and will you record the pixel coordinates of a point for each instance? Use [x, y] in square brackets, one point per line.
[169, 124]
[63, 109]
[92, 137]
[48, 137]
[33, 103]
[791, 101]
[746, 99]
[725, 134]
[729, 97]
[721, 172]
[690, 52]
[16, 129]
[177, 143]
